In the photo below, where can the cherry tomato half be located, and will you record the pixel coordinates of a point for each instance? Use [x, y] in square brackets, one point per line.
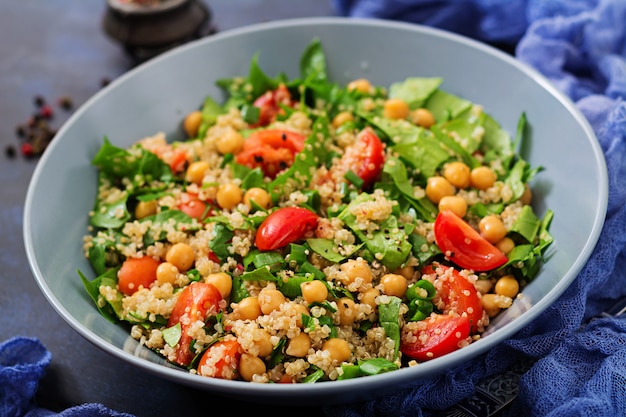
[271, 150]
[220, 360]
[434, 336]
[463, 245]
[284, 226]
[458, 294]
[365, 158]
[269, 105]
[192, 206]
[195, 301]
[137, 272]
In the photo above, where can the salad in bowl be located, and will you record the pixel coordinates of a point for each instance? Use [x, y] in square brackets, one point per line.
[307, 231]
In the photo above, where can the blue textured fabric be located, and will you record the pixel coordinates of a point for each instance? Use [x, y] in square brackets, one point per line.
[580, 370]
[23, 362]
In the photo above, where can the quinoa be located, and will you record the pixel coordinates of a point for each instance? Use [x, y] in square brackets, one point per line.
[220, 293]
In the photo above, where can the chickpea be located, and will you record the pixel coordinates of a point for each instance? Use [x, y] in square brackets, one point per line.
[505, 245]
[263, 343]
[314, 291]
[482, 177]
[192, 122]
[260, 197]
[395, 108]
[230, 141]
[270, 300]
[248, 309]
[347, 311]
[369, 297]
[406, 271]
[454, 203]
[457, 173]
[527, 197]
[341, 118]
[250, 365]
[361, 85]
[166, 273]
[222, 281]
[490, 304]
[492, 228]
[195, 172]
[300, 310]
[438, 187]
[181, 255]
[338, 348]
[394, 284]
[507, 286]
[422, 117]
[299, 345]
[145, 209]
[228, 196]
[357, 268]
[483, 286]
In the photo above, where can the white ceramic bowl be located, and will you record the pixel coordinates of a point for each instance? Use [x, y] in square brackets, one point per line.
[155, 96]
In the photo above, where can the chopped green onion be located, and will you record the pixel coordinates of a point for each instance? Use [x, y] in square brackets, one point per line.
[354, 179]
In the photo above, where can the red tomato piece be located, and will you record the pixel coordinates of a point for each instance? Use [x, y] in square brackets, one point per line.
[269, 104]
[272, 150]
[464, 246]
[220, 360]
[275, 138]
[458, 294]
[196, 301]
[136, 273]
[177, 159]
[192, 206]
[284, 226]
[365, 158]
[434, 336]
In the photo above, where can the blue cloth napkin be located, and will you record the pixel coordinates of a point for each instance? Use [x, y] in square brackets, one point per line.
[580, 370]
[581, 47]
[23, 362]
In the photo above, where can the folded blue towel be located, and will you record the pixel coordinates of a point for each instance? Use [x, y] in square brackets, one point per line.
[580, 370]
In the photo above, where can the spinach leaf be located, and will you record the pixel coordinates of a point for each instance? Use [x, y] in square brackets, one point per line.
[389, 317]
[389, 243]
[414, 91]
[313, 63]
[220, 240]
[445, 106]
[119, 163]
[110, 310]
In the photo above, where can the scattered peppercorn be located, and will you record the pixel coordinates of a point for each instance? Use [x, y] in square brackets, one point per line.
[36, 133]
[39, 101]
[65, 102]
[9, 151]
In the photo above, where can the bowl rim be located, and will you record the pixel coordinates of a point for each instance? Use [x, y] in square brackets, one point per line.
[267, 392]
